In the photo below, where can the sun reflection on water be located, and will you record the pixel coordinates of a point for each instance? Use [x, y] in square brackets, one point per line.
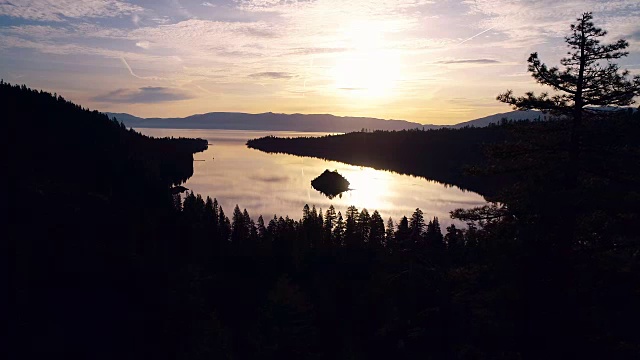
[280, 184]
[369, 187]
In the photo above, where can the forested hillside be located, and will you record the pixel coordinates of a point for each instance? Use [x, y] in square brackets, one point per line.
[442, 155]
[462, 157]
[105, 263]
[84, 196]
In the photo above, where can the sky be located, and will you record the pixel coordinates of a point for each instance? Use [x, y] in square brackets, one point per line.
[432, 62]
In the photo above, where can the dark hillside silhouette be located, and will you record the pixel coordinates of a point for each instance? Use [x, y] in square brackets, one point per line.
[82, 190]
[442, 155]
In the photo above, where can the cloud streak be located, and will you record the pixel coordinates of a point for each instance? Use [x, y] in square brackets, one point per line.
[126, 64]
[469, 61]
[272, 75]
[475, 36]
[143, 95]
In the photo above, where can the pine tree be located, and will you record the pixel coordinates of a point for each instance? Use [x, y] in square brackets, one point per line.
[416, 225]
[199, 207]
[454, 238]
[239, 226]
[363, 226]
[329, 221]
[208, 210]
[314, 213]
[224, 226]
[253, 234]
[588, 78]
[177, 202]
[189, 206]
[351, 231]
[403, 234]
[339, 230]
[314, 233]
[272, 227]
[389, 234]
[247, 221]
[306, 214]
[262, 230]
[319, 222]
[433, 236]
[376, 230]
[216, 214]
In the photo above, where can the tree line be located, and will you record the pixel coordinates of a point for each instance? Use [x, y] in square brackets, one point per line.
[439, 154]
[315, 230]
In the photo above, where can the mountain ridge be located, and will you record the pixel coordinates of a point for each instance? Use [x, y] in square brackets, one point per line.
[306, 122]
[270, 121]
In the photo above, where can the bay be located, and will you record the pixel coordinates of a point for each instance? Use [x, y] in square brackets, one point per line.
[279, 184]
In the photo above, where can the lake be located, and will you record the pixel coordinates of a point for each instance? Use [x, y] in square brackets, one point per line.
[280, 184]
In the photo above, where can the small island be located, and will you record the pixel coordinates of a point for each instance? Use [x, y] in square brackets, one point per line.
[330, 183]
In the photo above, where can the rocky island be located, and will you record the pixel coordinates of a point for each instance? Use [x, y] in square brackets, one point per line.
[330, 183]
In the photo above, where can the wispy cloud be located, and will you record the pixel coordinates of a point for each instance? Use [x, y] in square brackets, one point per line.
[635, 35]
[319, 50]
[143, 95]
[293, 48]
[58, 10]
[469, 61]
[272, 75]
[143, 44]
[527, 19]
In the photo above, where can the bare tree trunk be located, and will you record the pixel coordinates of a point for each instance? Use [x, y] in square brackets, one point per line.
[574, 146]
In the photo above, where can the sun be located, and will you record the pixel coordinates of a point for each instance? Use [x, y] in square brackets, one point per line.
[370, 73]
[368, 69]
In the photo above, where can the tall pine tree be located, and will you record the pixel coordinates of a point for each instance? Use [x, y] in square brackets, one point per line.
[588, 78]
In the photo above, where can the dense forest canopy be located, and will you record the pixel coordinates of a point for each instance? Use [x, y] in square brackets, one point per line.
[106, 261]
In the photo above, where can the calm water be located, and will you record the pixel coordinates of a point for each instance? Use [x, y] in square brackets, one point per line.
[280, 184]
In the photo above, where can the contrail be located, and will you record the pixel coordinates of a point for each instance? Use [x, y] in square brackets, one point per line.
[478, 34]
[203, 89]
[134, 74]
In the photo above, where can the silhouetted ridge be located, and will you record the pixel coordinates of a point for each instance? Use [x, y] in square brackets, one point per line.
[442, 155]
[55, 139]
[87, 198]
[270, 121]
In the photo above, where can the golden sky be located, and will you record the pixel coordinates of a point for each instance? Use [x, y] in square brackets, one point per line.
[438, 62]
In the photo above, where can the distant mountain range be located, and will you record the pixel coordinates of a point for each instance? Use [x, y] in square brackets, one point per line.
[302, 122]
[269, 121]
[496, 118]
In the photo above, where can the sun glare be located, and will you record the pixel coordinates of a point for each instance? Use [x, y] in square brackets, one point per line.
[371, 188]
[368, 69]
